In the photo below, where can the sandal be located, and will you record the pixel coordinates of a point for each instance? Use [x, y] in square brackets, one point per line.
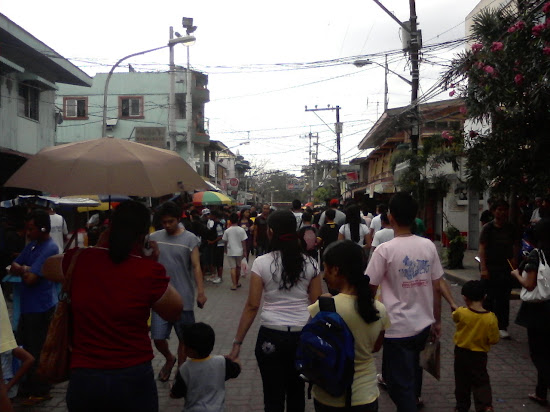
[239, 285]
[535, 398]
[233, 287]
[166, 371]
[380, 380]
[35, 400]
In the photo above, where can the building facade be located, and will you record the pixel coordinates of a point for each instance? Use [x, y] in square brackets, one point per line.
[138, 109]
[378, 182]
[30, 74]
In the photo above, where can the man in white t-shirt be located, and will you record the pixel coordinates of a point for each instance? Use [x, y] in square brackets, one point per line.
[408, 270]
[376, 224]
[297, 212]
[235, 246]
[59, 230]
[383, 235]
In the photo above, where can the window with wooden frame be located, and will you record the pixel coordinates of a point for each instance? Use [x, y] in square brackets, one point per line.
[28, 101]
[75, 108]
[130, 107]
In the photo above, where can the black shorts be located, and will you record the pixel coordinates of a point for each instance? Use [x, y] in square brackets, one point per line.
[217, 256]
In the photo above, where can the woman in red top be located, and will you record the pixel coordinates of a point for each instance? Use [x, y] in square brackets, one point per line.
[113, 291]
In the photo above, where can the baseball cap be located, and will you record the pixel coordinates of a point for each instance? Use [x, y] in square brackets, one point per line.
[205, 212]
[334, 202]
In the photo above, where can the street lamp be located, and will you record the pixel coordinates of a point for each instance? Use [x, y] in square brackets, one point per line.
[104, 128]
[361, 63]
[218, 157]
[186, 39]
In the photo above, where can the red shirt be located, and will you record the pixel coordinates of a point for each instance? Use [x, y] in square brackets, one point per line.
[111, 305]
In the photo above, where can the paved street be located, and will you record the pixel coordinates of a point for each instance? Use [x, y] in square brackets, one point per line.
[512, 373]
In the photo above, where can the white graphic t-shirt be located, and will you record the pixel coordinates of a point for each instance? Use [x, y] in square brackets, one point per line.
[405, 267]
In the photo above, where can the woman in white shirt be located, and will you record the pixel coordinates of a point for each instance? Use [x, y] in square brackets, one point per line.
[354, 229]
[289, 282]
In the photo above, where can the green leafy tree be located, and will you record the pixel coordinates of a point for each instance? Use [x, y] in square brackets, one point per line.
[321, 195]
[424, 171]
[504, 79]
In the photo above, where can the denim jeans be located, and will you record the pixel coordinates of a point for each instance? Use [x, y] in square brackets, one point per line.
[276, 353]
[31, 334]
[129, 389]
[402, 371]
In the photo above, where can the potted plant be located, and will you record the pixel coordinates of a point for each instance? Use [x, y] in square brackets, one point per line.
[455, 251]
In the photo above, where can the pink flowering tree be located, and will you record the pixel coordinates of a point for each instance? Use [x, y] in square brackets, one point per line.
[504, 78]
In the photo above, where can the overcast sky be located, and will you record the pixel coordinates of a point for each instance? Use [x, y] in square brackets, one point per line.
[242, 46]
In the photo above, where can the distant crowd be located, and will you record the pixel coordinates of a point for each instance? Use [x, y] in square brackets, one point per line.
[145, 270]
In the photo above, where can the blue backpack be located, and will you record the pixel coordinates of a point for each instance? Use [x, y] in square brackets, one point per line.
[325, 355]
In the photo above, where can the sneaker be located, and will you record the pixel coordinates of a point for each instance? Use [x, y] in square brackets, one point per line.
[210, 278]
[216, 280]
[504, 334]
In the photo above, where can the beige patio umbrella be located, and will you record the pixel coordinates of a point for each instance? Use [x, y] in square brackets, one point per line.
[107, 166]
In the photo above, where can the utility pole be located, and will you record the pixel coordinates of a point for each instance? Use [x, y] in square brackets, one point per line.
[315, 178]
[172, 98]
[189, 114]
[415, 77]
[413, 49]
[338, 130]
[385, 85]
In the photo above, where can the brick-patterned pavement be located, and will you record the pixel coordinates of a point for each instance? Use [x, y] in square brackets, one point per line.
[512, 373]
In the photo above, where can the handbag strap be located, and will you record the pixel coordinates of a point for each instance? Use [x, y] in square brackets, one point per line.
[67, 281]
[542, 257]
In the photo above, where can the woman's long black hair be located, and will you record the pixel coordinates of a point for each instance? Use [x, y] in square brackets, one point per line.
[285, 240]
[131, 220]
[347, 256]
[353, 217]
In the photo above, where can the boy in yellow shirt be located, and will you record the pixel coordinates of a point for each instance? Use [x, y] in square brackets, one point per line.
[476, 331]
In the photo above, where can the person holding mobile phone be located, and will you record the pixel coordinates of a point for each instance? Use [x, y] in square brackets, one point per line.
[179, 254]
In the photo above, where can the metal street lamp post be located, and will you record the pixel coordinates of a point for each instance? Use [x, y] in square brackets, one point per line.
[217, 157]
[361, 63]
[105, 90]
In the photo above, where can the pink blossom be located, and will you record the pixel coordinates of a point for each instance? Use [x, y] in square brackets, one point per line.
[520, 25]
[546, 51]
[537, 30]
[452, 93]
[497, 46]
[473, 133]
[518, 79]
[463, 110]
[480, 65]
[477, 47]
[447, 136]
[489, 69]
[546, 8]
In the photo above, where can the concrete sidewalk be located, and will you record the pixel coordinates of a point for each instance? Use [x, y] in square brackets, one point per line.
[512, 373]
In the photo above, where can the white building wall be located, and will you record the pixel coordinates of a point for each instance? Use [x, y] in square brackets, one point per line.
[20, 133]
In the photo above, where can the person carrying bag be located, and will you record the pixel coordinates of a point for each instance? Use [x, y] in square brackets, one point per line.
[534, 312]
[55, 358]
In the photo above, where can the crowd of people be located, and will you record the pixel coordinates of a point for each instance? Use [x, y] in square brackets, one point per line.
[145, 273]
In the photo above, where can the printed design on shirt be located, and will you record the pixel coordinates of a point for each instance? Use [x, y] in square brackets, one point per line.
[412, 269]
[268, 348]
